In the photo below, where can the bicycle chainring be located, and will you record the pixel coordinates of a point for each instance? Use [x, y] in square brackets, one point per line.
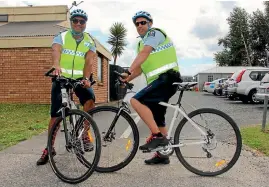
[166, 152]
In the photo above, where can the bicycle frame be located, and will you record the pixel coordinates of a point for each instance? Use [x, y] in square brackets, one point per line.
[68, 102]
[177, 110]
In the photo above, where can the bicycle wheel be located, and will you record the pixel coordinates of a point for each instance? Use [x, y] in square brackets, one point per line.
[73, 147]
[207, 150]
[118, 116]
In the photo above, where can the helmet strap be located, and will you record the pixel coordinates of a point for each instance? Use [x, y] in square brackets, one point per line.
[148, 27]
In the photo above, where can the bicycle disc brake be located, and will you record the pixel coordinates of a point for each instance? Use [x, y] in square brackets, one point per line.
[109, 139]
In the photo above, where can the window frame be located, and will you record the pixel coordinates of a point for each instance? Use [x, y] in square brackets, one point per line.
[210, 77]
[3, 16]
[100, 78]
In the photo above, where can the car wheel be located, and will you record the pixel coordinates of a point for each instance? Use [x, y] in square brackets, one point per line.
[252, 97]
[244, 99]
[231, 97]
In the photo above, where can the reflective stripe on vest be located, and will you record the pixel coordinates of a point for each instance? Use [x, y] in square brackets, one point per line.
[72, 52]
[69, 71]
[162, 47]
[161, 69]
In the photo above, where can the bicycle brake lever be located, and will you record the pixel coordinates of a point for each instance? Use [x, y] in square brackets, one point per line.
[93, 82]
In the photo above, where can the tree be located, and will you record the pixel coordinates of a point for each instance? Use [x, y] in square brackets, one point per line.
[266, 4]
[237, 49]
[259, 32]
[239, 32]
[223, 58]
[117, 39]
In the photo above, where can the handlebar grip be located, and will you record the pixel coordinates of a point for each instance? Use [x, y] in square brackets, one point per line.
[51, 70]
[91, 77]
[93, 82]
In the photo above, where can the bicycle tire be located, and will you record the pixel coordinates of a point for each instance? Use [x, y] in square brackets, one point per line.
[238, 138]
[96, 159]
[134, 128]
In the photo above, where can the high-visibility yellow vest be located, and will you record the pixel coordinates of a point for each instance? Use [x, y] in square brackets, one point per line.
[160, 60]
[73, 55]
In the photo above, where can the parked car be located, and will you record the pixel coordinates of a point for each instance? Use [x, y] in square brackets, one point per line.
[206, 86]
[214, 85]
[246, 83]
[231, 89]
[220, 86]
[225, 87]
[263, 89]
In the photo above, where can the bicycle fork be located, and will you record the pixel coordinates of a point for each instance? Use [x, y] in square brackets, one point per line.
[106, 137]
[63, 111]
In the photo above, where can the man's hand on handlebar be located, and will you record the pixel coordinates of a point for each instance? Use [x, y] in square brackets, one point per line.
[57, 70]
[125, 77]
[86, 83]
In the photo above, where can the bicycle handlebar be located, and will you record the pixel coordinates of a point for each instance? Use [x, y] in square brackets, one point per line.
[130, 85]
[74, 81]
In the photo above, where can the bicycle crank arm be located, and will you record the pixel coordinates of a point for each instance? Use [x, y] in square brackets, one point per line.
[170, 146]
[159, 148]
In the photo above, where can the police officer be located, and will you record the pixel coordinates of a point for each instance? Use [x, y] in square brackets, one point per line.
[157, 59]
[73, 54]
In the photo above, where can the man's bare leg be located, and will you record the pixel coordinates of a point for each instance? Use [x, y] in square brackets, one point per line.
[146, 115]
[44, 157]
[163, 131]
[88, 146]
[88, 105]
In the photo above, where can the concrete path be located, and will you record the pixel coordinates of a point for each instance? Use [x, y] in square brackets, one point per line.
[18, 168]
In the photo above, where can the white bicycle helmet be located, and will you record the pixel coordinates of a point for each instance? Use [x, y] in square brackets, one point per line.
[143, 14]
[79, 12]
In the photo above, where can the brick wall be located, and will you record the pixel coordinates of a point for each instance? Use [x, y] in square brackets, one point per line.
[22, 77]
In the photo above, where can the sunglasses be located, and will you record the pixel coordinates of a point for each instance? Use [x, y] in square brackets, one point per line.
[75, 21]
[141, 22]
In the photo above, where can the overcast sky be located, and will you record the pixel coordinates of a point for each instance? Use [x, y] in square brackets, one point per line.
[193, 25]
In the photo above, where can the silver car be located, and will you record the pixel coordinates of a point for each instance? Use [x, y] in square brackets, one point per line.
[263, 89]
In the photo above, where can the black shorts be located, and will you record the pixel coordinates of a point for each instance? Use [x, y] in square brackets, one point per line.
[160, 90]
[84, 94]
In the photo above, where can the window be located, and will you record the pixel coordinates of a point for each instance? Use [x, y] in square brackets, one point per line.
[99, 69]
[253, 75]
[263, 73]
[3, 18]
[257, 75]
[210, 78]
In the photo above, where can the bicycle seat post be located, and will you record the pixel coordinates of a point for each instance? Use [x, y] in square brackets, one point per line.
[180, 95]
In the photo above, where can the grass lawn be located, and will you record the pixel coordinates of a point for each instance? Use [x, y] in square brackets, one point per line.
[20, 122]
[253, 137]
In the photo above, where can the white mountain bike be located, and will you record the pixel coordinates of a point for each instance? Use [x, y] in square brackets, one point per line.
[206, 139]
